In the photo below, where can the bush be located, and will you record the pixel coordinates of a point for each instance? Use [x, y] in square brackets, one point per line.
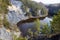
[6, 23]
[19, 38]
[55, 24]
[46, 29]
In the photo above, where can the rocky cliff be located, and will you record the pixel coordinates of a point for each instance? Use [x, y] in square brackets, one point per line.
[15, 13]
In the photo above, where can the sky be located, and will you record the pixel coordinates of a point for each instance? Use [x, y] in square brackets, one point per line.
[48, 1]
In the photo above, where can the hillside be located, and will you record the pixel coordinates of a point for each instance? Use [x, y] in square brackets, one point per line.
[53, 8]
[13, 11]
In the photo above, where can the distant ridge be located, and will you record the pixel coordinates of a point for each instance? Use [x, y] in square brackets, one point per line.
[53, 8]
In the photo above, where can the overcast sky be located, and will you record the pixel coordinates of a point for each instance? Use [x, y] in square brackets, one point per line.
[48, 1]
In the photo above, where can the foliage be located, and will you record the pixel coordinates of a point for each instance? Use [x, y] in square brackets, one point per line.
[3, 11]
[44, 11]
[37, 24]
[30, 32]
[35, 30]
[0, 19]
[6, 23]
[3, 6]
[19, 38]
[46, 29]
[34, 6]
[55, 24]
[0, 39]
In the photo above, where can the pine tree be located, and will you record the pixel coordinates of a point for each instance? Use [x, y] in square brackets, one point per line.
[34, 6]
[46, 29]
[55, 24]
[37, 25]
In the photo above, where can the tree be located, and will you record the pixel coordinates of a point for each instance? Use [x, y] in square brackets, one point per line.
[34, 6]
[3, 6]
[37, 25]
[35, 30]
[3, 10]
[6, 23]
[55, 24]
[46, 29]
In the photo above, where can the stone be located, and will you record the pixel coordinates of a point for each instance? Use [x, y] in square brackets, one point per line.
[5, 35]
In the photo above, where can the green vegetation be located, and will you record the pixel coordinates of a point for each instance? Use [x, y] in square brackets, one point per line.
[27, 4]
[3, 11]
[46, 29]
[6, 23]
[37, 25]
[3, 6]
[55, 24]
[34, 6]
[35, 30]
[19, 38]
[0, 39]
[30, 32]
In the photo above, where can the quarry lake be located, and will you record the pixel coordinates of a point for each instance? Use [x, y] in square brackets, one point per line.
[25, 26]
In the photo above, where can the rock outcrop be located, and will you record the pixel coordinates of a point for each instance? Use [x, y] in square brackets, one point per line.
[4, 34]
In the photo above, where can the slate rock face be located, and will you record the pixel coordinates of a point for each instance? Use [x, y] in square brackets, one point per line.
[4, 35]
[15, 13]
